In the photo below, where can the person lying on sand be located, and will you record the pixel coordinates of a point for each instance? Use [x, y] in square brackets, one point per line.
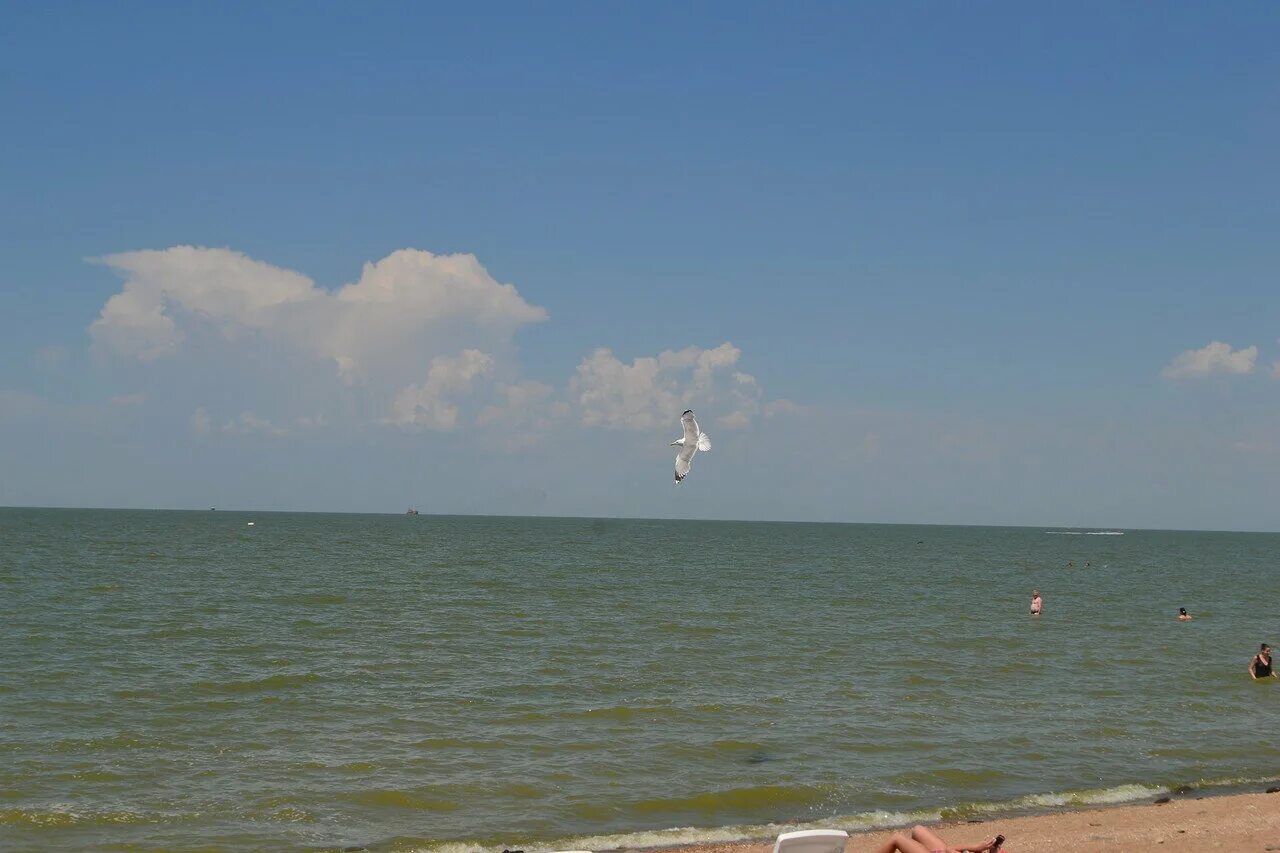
[922, 840]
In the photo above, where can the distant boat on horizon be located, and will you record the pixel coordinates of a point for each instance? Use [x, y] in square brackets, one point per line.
[412, 511]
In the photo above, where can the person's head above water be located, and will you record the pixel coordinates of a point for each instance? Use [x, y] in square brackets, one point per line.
[1182, 611]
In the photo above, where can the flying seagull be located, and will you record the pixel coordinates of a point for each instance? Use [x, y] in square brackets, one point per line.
[691, 443]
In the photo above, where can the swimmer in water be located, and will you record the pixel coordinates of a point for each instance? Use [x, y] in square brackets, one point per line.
[1037, 603]
[1183, 615]
[1260, 666]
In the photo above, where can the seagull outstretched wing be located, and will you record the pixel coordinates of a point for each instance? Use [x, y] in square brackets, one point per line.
[684, 461]
[690, 424]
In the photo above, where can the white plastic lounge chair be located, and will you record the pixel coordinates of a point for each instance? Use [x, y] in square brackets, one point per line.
[811, 841]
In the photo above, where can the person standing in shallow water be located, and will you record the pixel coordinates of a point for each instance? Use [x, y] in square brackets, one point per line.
[1037, 603]
[1260, 666]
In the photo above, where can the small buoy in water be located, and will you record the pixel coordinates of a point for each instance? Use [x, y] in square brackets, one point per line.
[250, 524]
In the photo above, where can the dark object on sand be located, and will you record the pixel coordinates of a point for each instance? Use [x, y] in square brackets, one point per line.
[1160, 801]
[1273, 790]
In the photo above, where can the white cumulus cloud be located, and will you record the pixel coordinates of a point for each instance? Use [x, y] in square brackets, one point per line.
[397, 303]
[251, 424]
[1216, 357]
[646, 392]
[523, 413]
[520, 402]
[418, 341]
[427, 405]
[163, 287]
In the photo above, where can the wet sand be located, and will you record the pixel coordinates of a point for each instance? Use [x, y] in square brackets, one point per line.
[1240, 822]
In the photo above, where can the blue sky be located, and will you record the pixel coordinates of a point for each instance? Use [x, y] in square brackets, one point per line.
[954, 249]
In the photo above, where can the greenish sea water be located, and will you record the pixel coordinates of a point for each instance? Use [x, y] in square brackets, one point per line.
[185, 681]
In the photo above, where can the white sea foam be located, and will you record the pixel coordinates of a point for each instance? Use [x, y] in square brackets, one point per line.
[1085, 532]
[1098, 796]
[1055, 800]
[453, 847]
[862, 821]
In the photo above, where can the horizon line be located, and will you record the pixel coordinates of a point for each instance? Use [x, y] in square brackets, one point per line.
[1053, 527]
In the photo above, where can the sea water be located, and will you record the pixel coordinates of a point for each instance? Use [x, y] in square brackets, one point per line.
[186, 681]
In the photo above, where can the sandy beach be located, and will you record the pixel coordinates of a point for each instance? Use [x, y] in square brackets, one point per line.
[1243, 822]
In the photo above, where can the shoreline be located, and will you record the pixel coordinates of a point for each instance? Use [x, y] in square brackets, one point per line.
[881, 823]
[1196, 821]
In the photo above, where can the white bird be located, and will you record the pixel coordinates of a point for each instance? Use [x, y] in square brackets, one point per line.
[689, 444]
